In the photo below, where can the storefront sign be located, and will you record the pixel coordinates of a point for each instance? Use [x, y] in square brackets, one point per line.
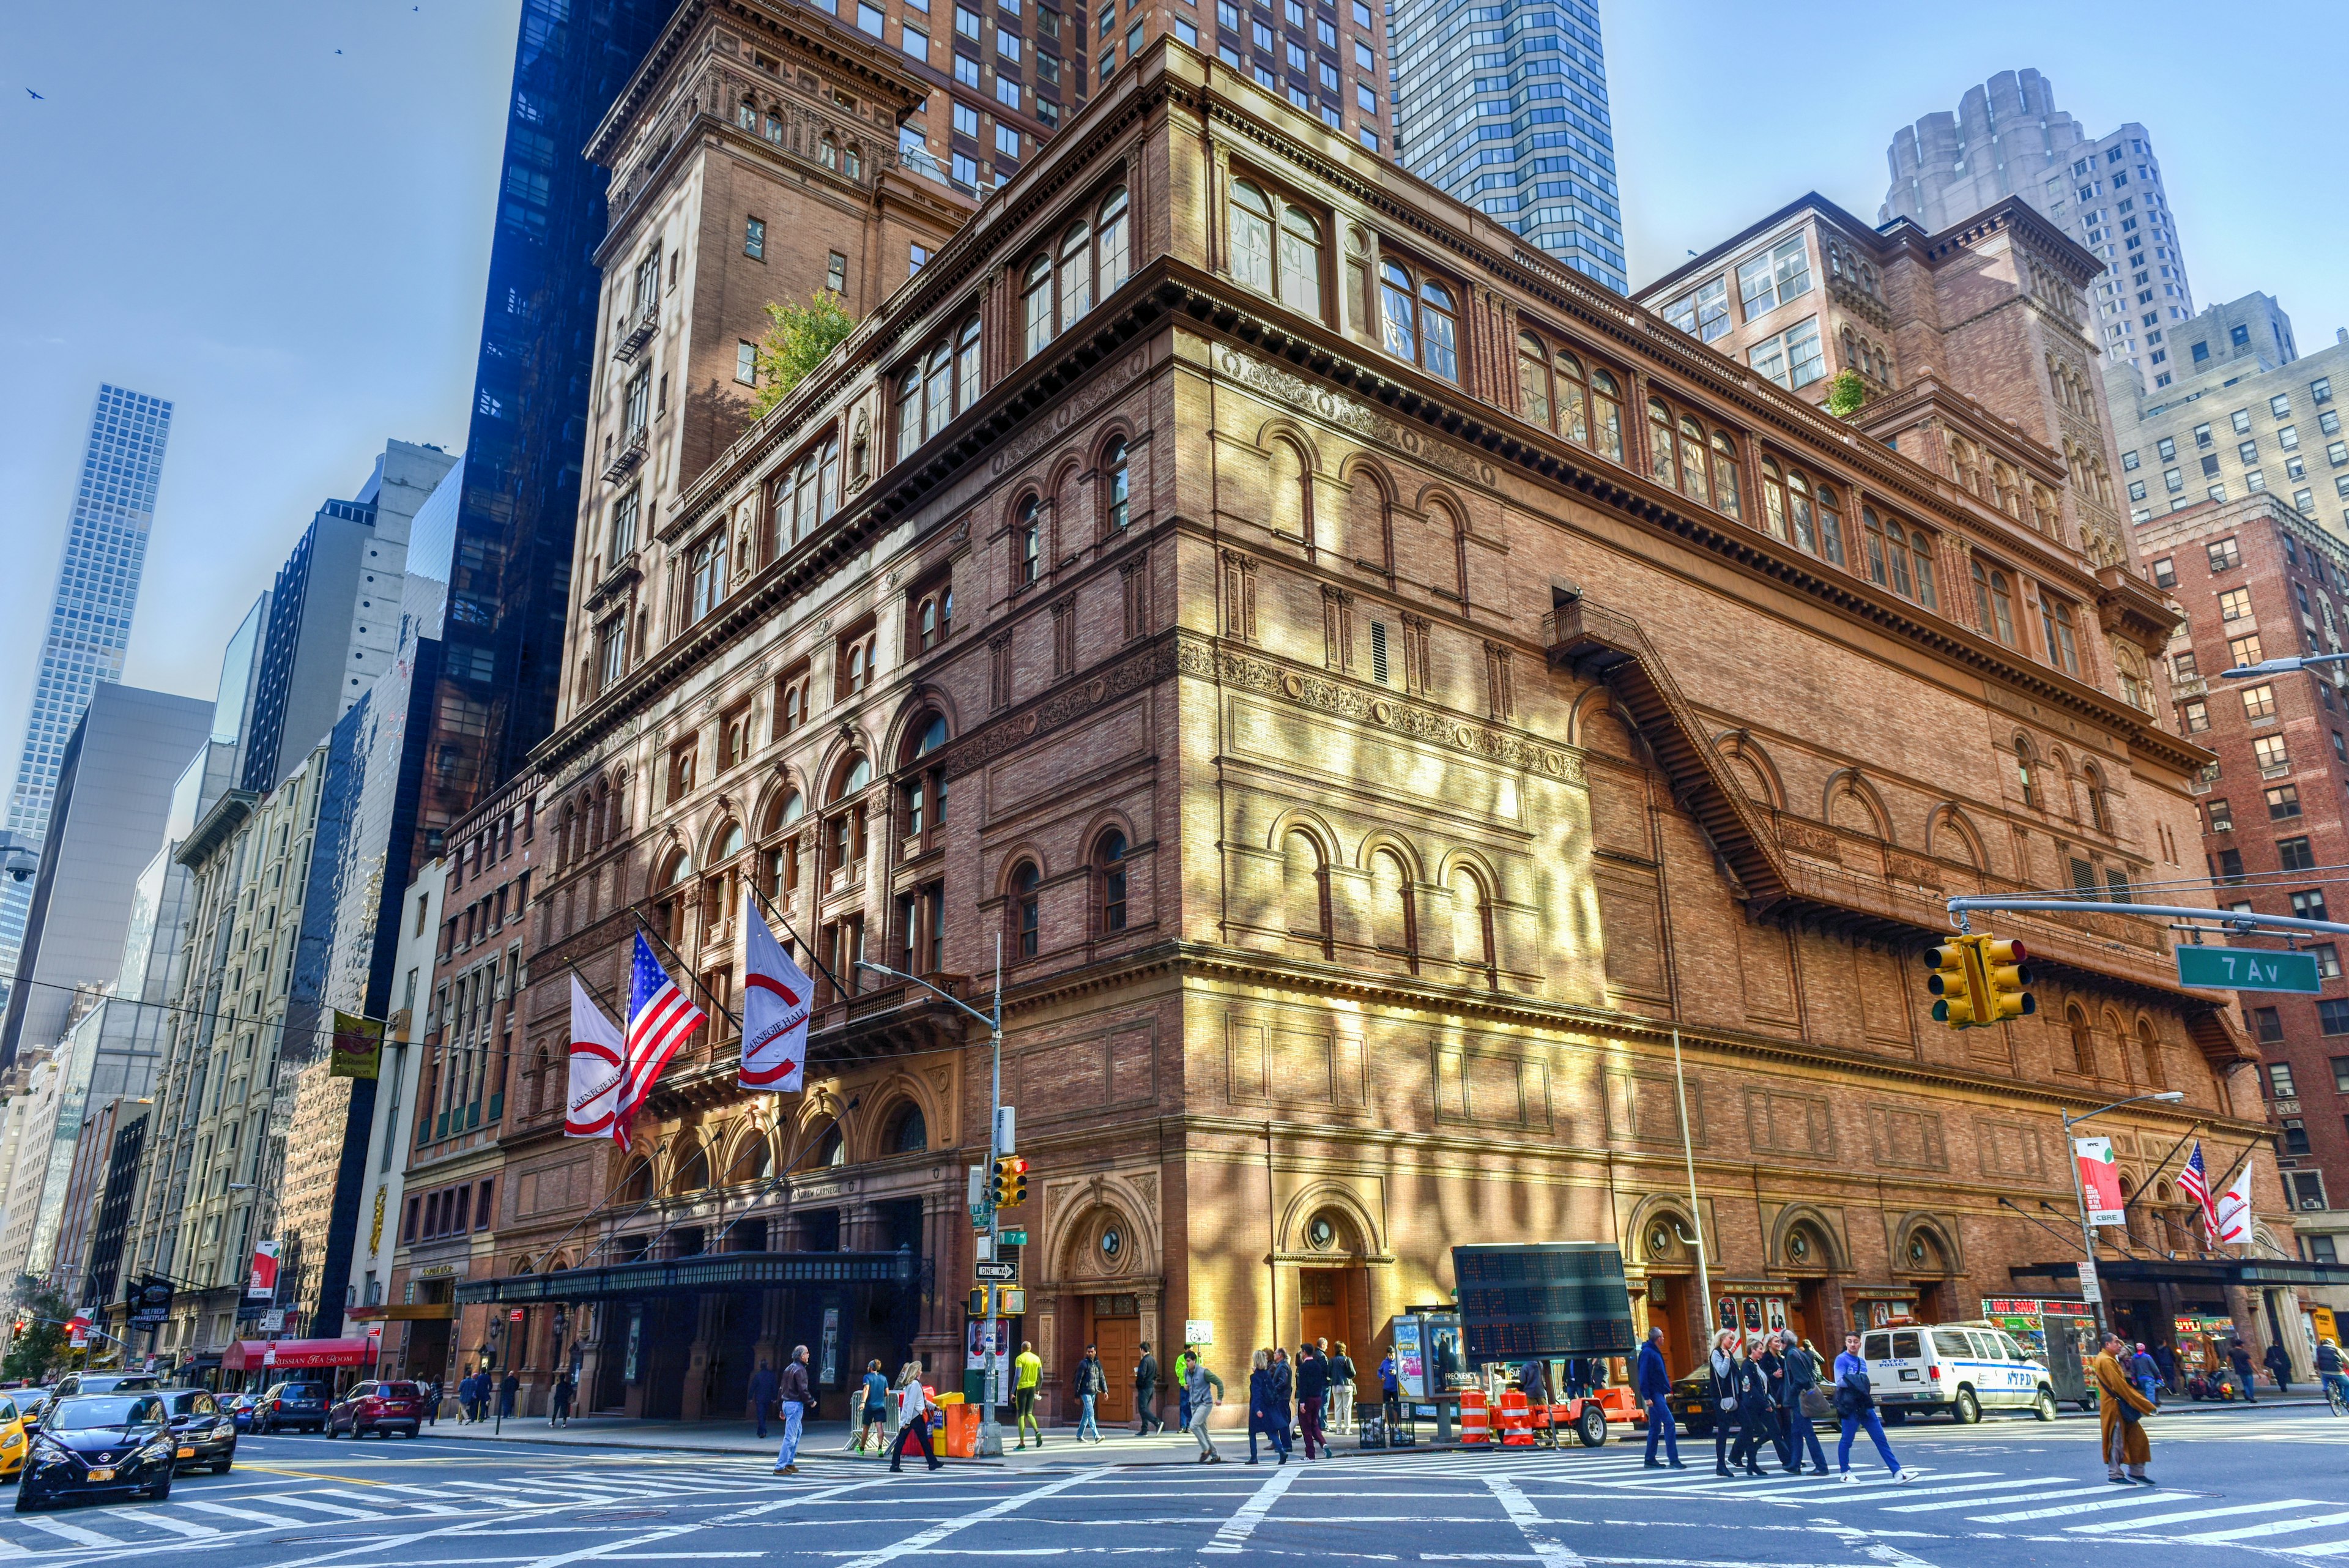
[441, 1271]
[2100, 1182]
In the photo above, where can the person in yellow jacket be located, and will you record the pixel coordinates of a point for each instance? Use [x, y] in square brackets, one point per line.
[2120, 1411]
[1026, 1368]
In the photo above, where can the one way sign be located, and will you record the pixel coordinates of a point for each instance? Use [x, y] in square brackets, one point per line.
[1005, 1272]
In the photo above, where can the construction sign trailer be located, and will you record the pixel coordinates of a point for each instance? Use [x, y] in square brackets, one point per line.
[1565, 1305]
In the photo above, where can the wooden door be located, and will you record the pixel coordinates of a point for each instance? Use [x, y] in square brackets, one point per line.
[1322, 1303]
[1669, 1297]
[1118, 1341]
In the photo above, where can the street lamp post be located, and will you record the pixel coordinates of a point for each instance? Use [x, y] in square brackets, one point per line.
[991, 1436]
[2080, 1195]
[2281, 666]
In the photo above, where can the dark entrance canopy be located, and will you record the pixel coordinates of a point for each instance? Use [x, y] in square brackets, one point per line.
[2252, 1272]
[706, 1272]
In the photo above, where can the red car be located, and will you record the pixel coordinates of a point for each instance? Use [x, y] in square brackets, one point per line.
[382, 1408]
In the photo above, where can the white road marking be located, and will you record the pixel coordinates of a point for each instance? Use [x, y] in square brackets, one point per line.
[160, 1520]
[294, 1499]
[2060, 1491]
[922, 1540]
[2138, 1500]
[1550, 1552]
[2273, 1527]
[2133, 1526]
[1233, 1533]
[73, 1532]
[365, 1497]
[250, 1515]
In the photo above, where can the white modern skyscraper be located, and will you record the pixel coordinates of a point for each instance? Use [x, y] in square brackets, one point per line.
[2008, 138]
[90, 615]
[1504, 107]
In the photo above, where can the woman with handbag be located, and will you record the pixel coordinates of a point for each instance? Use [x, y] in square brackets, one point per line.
[1805, 1403]
[1757, 1416]
[2121, 1411]
[912, 1403]
[1726, 1367]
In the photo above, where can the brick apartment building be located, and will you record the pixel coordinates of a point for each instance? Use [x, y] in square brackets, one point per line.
[2259, 580]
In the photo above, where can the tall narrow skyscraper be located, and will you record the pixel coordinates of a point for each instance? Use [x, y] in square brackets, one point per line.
[1504, 107]
[90, 615]
[2008, 138]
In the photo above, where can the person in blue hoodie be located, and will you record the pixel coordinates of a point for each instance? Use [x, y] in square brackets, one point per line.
[1654, 1381]
[1855, 1404]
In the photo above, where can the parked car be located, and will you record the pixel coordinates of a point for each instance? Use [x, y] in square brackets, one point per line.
[1953, 1369]
[32, 1401]
[15, 1438]
[100, 1445]
[1692, 1401]
[299, 1406]
[382, 1408]
[240, 1407]
[204, 1429]
[74, 1383]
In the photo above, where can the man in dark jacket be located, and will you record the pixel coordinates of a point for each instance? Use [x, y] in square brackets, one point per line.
[762, 1395]
[1284, 1397]
[1312, 1397]
[1802, 1377]
[2239, 1356]
[2279, 1366]
[1774, 1372]
[795, 1397]
[1146, 1392]
[1654, 1382]
[508, 1389]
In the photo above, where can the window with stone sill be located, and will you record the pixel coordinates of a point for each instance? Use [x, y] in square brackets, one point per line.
[1556, 391]
[1418, 318]
[1088, 261]
[804, 495]
[1800, 508]
[937, 384]
[1275, 246]
[1994, 602]
[706, 576]
[1683, 455]
[2058, 632]
[1899, 557]
[923, 793]
[793, 700]
[1024, 911]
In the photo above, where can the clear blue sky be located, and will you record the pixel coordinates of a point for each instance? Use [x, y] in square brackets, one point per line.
[212, 205]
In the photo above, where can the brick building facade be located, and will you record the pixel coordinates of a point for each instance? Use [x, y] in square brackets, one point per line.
[1383, 693]
[2259, 580]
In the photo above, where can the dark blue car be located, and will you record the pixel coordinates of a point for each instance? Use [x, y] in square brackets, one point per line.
[108, 1446]
[296, 1407]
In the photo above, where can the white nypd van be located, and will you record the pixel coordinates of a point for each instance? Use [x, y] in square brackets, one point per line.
[1957, 1369]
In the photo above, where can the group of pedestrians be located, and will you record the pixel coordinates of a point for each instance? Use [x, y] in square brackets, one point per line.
[1770, 1393]
[476, 1389]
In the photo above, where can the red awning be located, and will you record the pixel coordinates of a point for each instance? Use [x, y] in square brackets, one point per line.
[247, 1355]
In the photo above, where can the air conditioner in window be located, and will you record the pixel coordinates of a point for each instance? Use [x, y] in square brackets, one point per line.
[2312, 1204]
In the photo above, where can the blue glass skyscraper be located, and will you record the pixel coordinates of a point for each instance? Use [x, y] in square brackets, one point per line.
[90, 615]
[1504, 107]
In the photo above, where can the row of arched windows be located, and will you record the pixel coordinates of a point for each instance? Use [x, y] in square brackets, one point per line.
[1392, 931]
[1030, 550]
[848, 159]
[1105, 906]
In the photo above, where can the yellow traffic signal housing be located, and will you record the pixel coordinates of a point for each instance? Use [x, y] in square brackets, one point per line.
[1952, 982]
[2004, 970]
[977, 1305]
[1011, 1301]
[1010, 1181]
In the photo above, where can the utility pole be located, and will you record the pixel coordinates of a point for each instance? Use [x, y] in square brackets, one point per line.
[2080, 1196]
[990, 1435]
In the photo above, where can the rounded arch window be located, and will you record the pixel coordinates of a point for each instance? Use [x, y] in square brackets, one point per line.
[1026, 917]
[828, 153]
[1109, 867]
[1321, 1233]
[933, 736]
[1112, 1243]
[1800, 1249]
[751, 1163]
[851, 776]
[679, 870]
[831, 1150]
[1120, 484]
[1924, 1251]
[793, 807]
[692, 1173]
[852, 162]
[730, 841]
[1076, 273]
[909, 1132]
[1662, 1239]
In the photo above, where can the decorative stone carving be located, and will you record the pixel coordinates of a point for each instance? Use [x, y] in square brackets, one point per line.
[1431, 450]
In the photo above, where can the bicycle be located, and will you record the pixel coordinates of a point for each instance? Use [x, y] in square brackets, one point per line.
[2334, 1399]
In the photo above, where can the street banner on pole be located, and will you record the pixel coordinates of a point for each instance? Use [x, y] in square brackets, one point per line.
[598, 1051]
[777, 998]
[2235, 1208]
[357, 1047]
[2100, 1183]
[262, 1281]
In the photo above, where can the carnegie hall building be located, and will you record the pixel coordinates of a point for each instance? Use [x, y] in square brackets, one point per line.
[1379, 693]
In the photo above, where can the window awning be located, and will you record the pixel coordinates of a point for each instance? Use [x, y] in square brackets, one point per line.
[708, 1271]
[253, 1355]
[2252, 1272]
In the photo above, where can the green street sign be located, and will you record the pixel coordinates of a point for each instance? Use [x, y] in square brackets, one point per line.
[2248, 969]
[1020, 1238]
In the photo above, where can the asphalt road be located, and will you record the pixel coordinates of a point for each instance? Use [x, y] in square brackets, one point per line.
[2237, 1486]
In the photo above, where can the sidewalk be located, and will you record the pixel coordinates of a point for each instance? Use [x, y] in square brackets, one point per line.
[825, 1440]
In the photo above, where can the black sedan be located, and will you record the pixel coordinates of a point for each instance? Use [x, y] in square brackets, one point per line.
[100, 1445]
[202, 1428]
[1692, 1402]
[291, 1405]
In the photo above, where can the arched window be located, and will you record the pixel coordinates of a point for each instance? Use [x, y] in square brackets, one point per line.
[1109, 871]
[909, 411]
[746, 115]
[1471, 926]
[729, 842]
[827, 152]
[924, 789]
[1026, 917]
[2093, 784]
[1994, 601]
[751, 1163]
[1036, 303]
[1419, 320]
[2057, 625]
[1109, 241]
[774, 127]
[1027, 542]
[1394, 924]
[852, 163]
[1899, 557]
[1725, 475]
[909, 1131]
[1305, 891]
[1606, 411]
[783, 859]
[1075, 279]
[942, 381]
[831, 1150]
[1794, 507]
[1117, 486]
[938, 390]
[2084, 1044]
[708, 565]
[1300, 261]
[1660, 446]
[2023, 763]
[692, 1173]
[1252, 237]
[808, 492]
[1678, 455]
[2149, 1047]
[966, 372]
[1533, 381]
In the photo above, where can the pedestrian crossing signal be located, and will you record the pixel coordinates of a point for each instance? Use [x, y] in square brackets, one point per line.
[977, 1306]
[1010, 1180]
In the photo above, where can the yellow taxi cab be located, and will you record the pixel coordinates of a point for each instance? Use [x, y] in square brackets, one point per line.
[15, 1442]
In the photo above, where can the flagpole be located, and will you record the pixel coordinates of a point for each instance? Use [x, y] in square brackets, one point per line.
[814, 956]
[597, 992]
[691, 977]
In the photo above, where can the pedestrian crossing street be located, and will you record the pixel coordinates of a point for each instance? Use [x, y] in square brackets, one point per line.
[1954, 1498]
[199, 1515]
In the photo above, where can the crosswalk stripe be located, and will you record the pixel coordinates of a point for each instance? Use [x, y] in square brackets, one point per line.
[294, 1499]
[1980, 1501]
[73, 1532]
[2273, 1527]
[250, 1515]
[158, 1519]
[368, 1497]
[1969, 1486]
[2116, 1526]
[2141, 1500]
[2321, 1549]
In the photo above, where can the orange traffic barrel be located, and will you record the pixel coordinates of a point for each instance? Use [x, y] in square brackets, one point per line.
[1476, 1423]
[1516, 1421]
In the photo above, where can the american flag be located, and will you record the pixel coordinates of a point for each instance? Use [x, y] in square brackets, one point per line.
[2195, 1182]
[660, 1018]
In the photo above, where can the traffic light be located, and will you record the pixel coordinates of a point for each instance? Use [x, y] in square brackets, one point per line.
[1010, 1180]
[1011, 1301]
[1953, 984]
[2007, 973]
[977, 1305]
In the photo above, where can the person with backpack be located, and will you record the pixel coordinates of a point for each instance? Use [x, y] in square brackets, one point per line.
[1804, 1404]
[1854, 1399]
[1341, 1388]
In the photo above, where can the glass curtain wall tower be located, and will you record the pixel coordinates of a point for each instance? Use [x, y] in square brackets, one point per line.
[1504, 107]
[89, 615]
